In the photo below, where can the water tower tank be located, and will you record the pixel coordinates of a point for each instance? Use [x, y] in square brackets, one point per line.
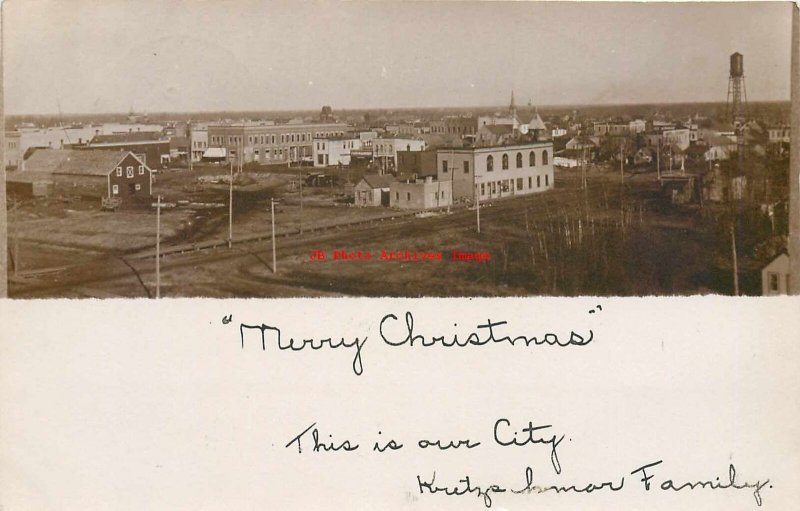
[737, 65]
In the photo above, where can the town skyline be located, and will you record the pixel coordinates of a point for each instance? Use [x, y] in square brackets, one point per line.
[386, 56]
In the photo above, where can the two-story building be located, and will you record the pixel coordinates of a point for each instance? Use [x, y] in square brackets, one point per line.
[334, 150]
[497, 171]
[384, 150]
[266, 142]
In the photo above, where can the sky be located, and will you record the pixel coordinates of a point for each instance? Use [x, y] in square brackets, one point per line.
[91, 56]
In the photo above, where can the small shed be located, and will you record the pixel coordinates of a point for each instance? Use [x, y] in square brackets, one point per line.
[775, 276]
[29, 184]
[373, 190]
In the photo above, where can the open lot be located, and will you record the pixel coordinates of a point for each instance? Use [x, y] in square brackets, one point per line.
[569, 241]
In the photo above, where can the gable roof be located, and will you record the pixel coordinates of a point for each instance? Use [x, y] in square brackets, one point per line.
[378, 181]
[498, 129]
[536, 122]
[77, 162]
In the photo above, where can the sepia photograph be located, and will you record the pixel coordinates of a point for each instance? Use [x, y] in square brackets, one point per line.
[403, 149]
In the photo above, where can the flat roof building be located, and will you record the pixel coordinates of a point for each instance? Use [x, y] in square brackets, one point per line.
[266, 143]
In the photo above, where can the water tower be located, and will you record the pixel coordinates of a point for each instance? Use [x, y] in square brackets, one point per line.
[736, 109]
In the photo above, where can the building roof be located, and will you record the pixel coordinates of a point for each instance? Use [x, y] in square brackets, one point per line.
[378, 181]
[27, 176]
[718, 140]
[133, 136]
[498, 129]
[536, 122]
[77, 162]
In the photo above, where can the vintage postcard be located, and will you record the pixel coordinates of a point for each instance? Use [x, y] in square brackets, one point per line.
[549, 245]
[264, 149]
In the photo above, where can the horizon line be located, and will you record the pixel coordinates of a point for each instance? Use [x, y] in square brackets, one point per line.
[347, 109]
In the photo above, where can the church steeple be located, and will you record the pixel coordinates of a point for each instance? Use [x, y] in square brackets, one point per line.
[512, 108]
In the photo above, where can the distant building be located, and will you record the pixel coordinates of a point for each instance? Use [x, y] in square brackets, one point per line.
[718, 147]
[455, 125]
[678, 137]
[199, 141]
[496, 134]
[384, 150]
[558, 132]
[373, 190]
[663, 125]
[334, 150]
[580, 143]
[13, 152]
[266, 143]
[602, 129]
[413, 165]
[93, 173]
[326, 115]
[567, 163]
[777, 134]
[775, 277]
[637, 126]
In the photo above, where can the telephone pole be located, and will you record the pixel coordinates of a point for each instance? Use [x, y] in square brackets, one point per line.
[158, 247]
[301, 203]
[274, 256]
[230, 208]
[478, 207]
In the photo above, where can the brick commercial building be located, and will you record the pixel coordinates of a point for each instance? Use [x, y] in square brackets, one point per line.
[264, 143]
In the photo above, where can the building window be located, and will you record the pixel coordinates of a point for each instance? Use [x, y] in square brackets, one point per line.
[129, 172]
[530, 182]
[138, 187]
[444, 166]
[489, 163]
[544, 157]
[538, 181]
[532, 159]
[141, 170]
[519, 182]
[483, 189]
[408, 196]
[773, 282]
[519, 160]
[397, 195]
[466, 167]
[119, 171]
[505, 162]
[547, 180]
[115, 189]
[320, 159]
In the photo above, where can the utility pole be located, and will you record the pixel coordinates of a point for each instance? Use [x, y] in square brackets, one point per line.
[794, 160]
[15, 218]
[301, 203]
[478, 207]
[191, 156]
[735, 261]
[274, 256]
[158, 247]
[230, 208]
[658, 159]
